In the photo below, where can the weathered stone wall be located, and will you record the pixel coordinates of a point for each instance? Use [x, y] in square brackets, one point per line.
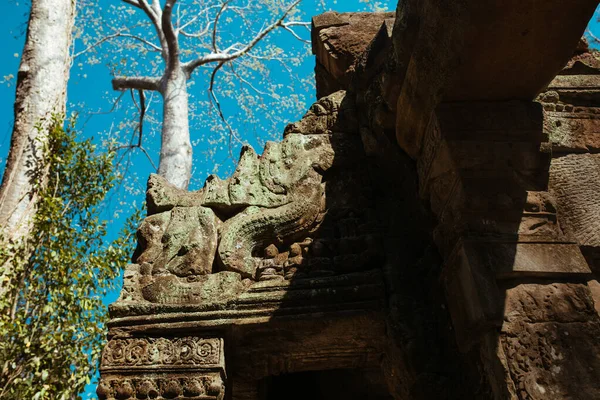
[509, 181]
[427, 230]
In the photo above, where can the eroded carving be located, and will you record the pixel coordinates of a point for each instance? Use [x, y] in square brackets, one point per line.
[161, 352]
[283, 214]
[153, 368]
[206, 386]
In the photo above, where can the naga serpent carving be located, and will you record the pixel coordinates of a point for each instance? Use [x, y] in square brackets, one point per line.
[288, 170]
[256, 228]
[274, 199]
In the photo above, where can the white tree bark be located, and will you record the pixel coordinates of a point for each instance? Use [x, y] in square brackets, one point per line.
[41, 93]
[176, 149]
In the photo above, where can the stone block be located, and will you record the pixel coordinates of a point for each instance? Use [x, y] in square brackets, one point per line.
[497, 158]
[474, 300]
[523, 260]
[553, 302]
[487, 139]
[427, 38]
[516, 54]
[478, 203]
[553, 360]
[585, 62]
[594, 286]
[507, 121]
[163, 368]
[473, 271]
[338, 41]
[212, 289]
[432, 40]
[572, 132]
[494, 208]
[575, 182]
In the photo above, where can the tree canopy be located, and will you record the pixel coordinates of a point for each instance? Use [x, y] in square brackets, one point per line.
[51, 320]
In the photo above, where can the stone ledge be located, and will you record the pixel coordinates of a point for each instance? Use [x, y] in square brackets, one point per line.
[266, 299]
[505, 260]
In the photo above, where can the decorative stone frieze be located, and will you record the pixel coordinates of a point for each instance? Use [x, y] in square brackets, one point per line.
[207, 386]
[162, 368]
[184, 352]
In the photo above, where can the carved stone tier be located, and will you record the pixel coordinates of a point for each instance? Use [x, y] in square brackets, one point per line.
[263, 301]
[163, 368]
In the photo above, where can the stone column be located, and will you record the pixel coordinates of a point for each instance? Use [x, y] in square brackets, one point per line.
[572, 120]
[515, 283]
[163, 368]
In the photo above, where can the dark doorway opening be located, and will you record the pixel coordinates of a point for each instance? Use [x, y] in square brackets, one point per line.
[347, 384]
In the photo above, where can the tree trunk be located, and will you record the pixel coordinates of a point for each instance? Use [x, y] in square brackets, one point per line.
[176, 149]
[41, 93]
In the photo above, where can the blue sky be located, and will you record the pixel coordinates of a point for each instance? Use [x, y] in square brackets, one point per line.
[91, 86]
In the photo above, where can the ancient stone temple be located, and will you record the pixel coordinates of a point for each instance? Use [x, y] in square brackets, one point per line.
[430, 229]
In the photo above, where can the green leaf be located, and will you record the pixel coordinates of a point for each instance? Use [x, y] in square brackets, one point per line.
[59, 273]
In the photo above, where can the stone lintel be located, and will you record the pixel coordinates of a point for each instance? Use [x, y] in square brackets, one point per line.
[575, 82]
[264, 299]
[291, 346]
[573, 131]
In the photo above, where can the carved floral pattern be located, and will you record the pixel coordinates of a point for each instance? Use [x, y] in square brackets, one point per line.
[185, 351]
[204, 386]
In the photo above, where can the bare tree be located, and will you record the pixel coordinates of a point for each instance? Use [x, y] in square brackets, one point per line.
[40, 96]
[175, 163]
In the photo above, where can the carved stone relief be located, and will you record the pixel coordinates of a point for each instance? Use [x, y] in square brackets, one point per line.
[162, 368]
[162, 352]
[288, 213]
[193, 387]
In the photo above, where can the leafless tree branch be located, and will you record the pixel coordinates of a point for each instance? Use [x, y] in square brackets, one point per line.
[191, 21]
[136, 82]
[216, 24]
[154, 13]
[222, 57]
[290, 30]
[142, 114]
[114, 36]
[134, 3]
[217, 105]
[140, 128]
[170, 35]
[135, 146]
[112, 109]
[298, 23]
[243, 80]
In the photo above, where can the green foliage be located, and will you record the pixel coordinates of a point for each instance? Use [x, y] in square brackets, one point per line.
[52, 319]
